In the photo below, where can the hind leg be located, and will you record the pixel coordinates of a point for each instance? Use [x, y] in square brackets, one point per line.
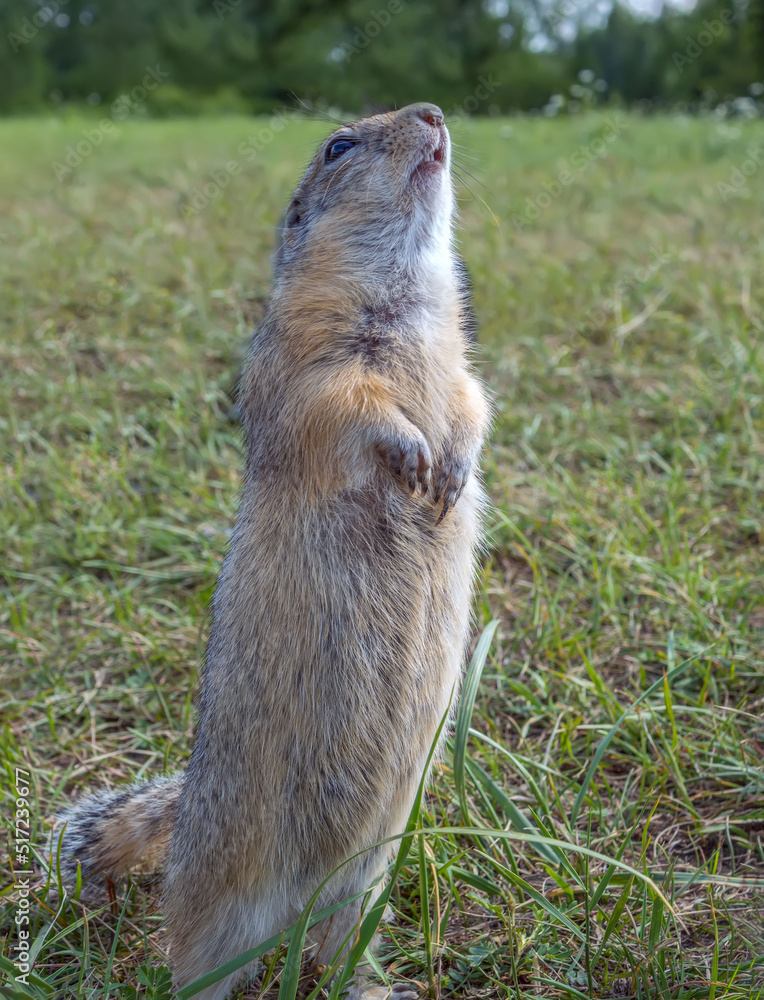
[201, 940]
[203, 936]
[335, 936]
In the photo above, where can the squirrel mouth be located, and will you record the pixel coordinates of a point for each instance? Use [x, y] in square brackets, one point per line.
[432, 163]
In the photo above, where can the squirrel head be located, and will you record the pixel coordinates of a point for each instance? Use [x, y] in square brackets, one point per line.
[377, 199]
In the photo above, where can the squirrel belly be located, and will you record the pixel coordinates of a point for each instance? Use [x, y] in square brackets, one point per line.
[342, 612]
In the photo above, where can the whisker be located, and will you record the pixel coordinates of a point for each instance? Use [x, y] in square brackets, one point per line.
[316, 114]
[459, 169]
[377, 109]
[460, 151]
[478, 198]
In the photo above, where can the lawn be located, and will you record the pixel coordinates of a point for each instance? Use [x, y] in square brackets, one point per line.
[618, 265]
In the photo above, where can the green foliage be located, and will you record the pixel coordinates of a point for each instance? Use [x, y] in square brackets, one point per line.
[156, 983]
[245, 55]
[710, 54]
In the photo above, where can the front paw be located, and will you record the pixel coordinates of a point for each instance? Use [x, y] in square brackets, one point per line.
[450, 479]
[409, 457]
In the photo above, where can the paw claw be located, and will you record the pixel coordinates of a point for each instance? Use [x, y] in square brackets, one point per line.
[451, 479]
[399, 991]
[426, 480]
[409, 458]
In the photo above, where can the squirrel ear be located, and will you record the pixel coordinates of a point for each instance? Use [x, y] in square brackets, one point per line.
[294, 214]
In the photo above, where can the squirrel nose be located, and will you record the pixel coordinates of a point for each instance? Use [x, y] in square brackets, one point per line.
[429, 113]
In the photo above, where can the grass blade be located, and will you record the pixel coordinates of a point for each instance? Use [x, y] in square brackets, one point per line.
[668, 678]
[464, 715]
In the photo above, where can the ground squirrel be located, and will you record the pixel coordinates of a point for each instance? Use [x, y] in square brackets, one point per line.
[341, 614]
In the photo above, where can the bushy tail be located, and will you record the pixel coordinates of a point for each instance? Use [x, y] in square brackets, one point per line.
[112, 832]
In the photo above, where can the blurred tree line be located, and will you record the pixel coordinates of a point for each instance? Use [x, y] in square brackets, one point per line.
[481, 57]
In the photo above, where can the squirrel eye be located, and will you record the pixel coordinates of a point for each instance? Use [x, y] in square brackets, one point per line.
[337, 147]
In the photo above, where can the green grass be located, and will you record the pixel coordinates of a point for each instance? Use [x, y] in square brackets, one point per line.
[621, 333]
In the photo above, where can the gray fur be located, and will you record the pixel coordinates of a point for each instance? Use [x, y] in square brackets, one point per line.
[342, 611]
